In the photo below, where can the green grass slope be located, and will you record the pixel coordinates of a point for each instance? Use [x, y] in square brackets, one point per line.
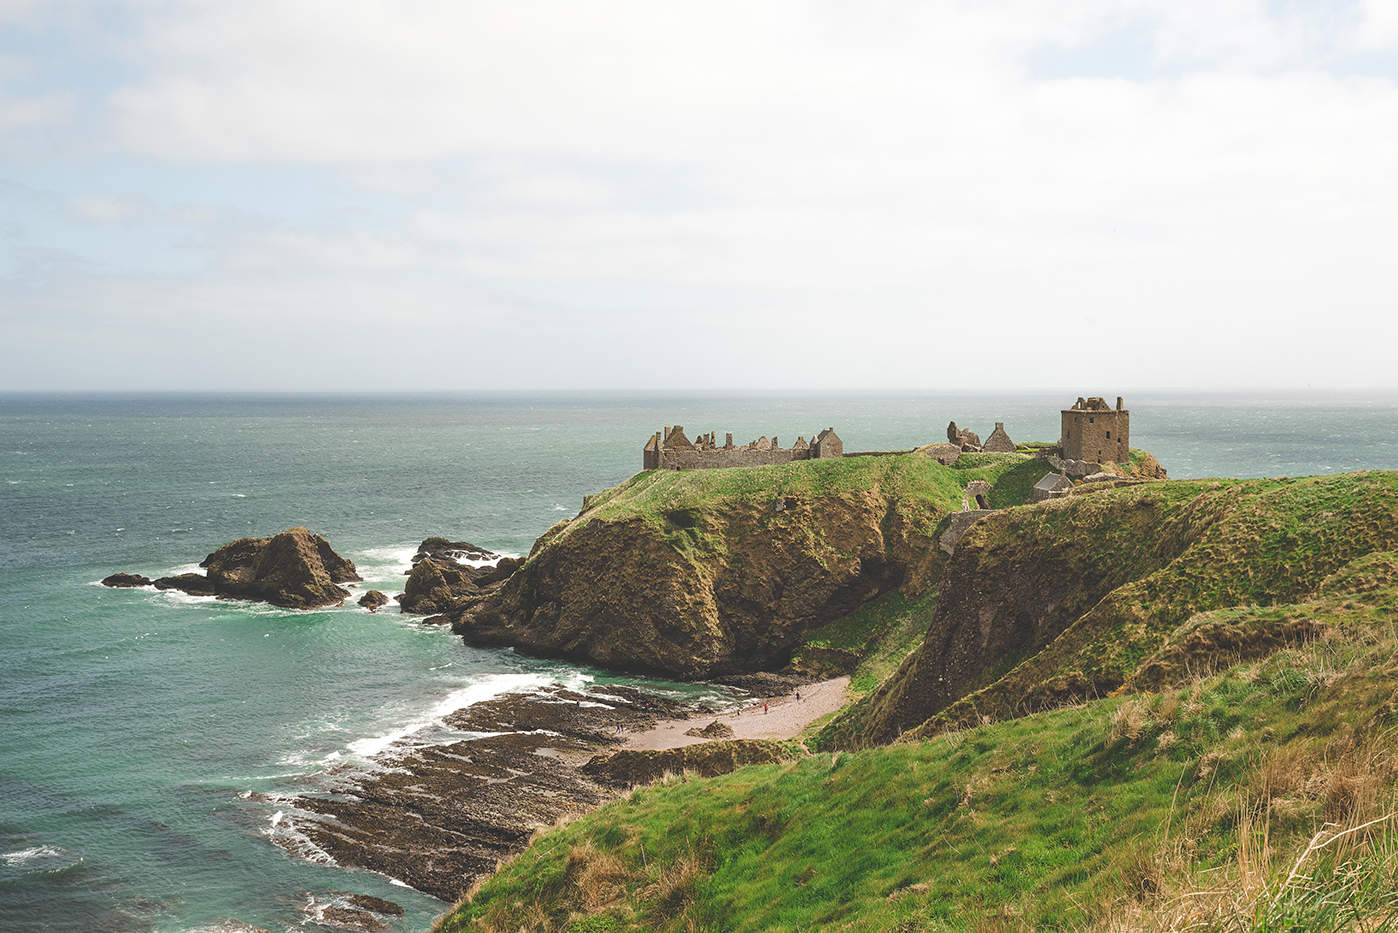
[1184, 809]
[1073, 598]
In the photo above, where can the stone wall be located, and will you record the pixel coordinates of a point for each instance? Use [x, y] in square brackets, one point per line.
[670, 449]
[1096, 433]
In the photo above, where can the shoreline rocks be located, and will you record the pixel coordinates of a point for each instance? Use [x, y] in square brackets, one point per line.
[439, 582]
[439, 818]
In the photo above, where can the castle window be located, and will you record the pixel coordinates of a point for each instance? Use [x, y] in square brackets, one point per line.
[1109, 435]
[1091, 420]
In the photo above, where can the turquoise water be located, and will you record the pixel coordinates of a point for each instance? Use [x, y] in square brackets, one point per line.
[148, 741]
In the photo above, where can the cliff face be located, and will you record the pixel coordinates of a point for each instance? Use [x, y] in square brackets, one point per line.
[1073, 598]
[703, 591]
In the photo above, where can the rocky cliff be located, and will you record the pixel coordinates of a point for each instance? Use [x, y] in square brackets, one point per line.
[1074, 598]
[710, 572]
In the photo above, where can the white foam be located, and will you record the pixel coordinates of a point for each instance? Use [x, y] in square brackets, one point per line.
[398, 555]
[239, 495]
[182, 597]
[36, 854]
[480, 690]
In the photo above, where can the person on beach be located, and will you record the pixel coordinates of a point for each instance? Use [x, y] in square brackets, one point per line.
[764, 709]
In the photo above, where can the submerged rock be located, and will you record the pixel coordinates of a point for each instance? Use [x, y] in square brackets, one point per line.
[442, 817]
[377, 904]
[127, 580]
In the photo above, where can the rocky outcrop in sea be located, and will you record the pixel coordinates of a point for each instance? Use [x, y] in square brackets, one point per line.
[446, 573]
[295, 570]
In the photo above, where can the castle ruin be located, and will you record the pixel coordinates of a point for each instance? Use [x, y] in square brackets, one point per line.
[1094, 432]
[670, 449]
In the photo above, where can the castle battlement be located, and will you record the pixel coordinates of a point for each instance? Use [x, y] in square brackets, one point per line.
[670, 449]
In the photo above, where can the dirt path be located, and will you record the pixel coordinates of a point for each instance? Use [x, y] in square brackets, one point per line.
[785, 718]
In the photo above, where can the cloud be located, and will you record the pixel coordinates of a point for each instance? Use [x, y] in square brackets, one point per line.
[20, 110]
[579, 191]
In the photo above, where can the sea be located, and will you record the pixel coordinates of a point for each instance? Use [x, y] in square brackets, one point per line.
[151, 743]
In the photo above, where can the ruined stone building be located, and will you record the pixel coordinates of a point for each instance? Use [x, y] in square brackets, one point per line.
[1096, 433]
[670, 449]
[999, 442]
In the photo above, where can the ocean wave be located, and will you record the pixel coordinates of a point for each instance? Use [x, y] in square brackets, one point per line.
[39, 857]
[485, 688]
[283, 833]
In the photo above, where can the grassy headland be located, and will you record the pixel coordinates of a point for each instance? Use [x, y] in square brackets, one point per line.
[1198, 729]
[1186, 808]
[705, 572]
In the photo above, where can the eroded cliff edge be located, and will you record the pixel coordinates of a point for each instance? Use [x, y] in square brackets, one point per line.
[706, 573]
[1075, 598]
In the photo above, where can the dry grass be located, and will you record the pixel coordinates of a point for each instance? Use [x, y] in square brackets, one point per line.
[598, 877]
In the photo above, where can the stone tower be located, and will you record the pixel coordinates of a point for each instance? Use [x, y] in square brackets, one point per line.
[1095, 432]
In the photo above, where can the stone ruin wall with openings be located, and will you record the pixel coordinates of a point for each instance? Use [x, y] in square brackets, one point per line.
[1095, 432]
[671, 450]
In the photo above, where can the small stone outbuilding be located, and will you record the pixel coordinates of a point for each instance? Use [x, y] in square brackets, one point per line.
[1050, 487]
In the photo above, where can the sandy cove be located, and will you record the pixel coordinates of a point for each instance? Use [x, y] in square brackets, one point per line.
[784, 719]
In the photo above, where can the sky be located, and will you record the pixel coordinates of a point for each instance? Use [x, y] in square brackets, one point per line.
[354, 195]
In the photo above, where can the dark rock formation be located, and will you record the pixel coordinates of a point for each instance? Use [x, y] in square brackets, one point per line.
[500, 572]
[442, 817]
[376, 904]
[195, 584]
[725, 589]
[437, 584]
[454, 551]
[707, 759]
[295, 569]
[374, 600]
[126, 580]
[438, 581]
